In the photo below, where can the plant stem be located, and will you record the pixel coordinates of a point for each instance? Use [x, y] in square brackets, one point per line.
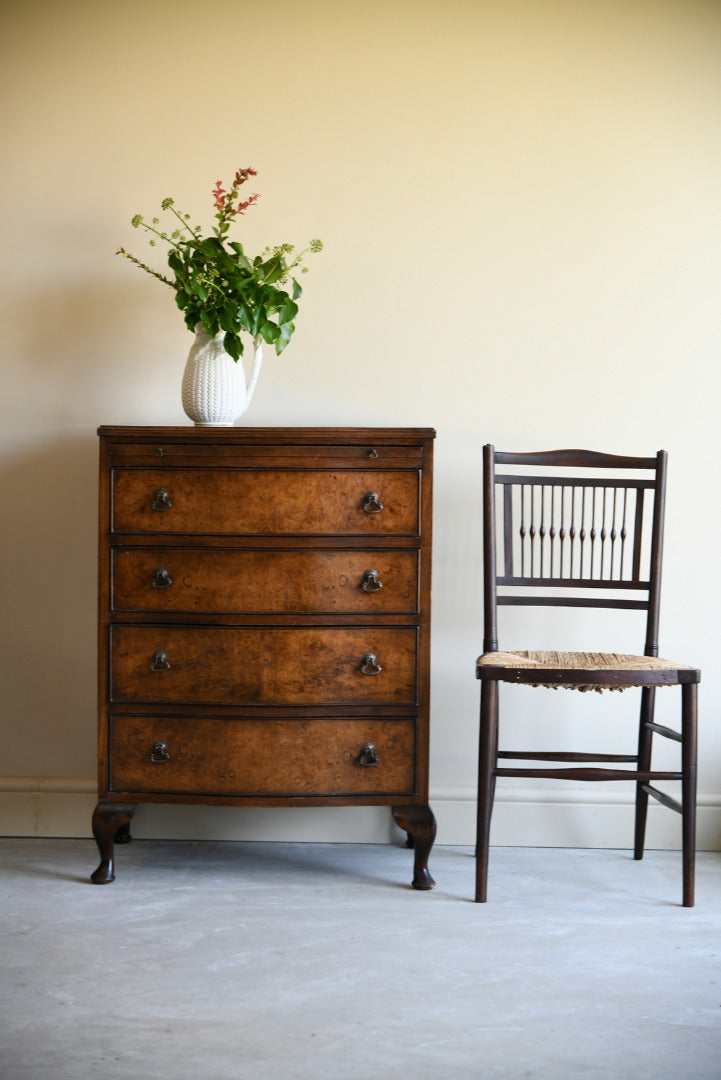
[144, 266]
[188, 228]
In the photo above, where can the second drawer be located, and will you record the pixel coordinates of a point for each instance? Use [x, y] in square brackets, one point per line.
[225, 580]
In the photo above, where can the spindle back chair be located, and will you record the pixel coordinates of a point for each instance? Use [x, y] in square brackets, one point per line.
[581, 529]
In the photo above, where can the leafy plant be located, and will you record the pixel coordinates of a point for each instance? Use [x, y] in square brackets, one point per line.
[217, 285]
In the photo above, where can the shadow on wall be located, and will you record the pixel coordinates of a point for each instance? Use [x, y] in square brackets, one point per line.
[100, 353]
[80, 318]
[48, 636]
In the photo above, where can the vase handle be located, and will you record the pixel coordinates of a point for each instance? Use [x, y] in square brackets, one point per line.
[255, 371]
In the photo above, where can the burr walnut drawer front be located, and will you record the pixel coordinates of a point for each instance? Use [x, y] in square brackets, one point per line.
[265, 501]
[262, 757]
[269, 666]
[274, 582]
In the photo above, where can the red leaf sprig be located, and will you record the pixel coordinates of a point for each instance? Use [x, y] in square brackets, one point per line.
[228, 203]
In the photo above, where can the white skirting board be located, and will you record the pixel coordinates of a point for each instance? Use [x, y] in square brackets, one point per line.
[593, 816]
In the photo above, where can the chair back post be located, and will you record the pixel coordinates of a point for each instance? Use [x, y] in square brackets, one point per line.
[654, 592]
[490, 626]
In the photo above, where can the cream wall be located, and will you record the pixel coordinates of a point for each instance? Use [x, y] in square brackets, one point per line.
[520, 207]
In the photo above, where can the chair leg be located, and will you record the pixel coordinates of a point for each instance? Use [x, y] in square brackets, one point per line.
[645, 740]
[487, 751]
[689, 699]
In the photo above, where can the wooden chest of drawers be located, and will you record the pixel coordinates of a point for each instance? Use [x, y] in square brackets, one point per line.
[264, 623]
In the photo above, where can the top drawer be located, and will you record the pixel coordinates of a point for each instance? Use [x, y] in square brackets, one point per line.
[232, 450]
[266, 502]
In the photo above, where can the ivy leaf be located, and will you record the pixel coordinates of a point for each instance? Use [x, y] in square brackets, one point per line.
[273, 270]
[269, 332]
[227, 318]
[284, 337]
[211, 247]
[259, 318]
[288, 311]
[240, 257]
[199, 288]
[233, 345]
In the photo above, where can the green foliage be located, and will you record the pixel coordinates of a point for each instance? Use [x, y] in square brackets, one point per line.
[218, 286]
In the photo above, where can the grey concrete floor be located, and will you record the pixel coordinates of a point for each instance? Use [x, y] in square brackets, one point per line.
[220, 961]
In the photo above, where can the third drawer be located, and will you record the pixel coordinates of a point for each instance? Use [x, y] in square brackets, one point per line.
[266, 666]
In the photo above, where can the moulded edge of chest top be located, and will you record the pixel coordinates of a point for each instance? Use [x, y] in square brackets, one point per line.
[236, 435]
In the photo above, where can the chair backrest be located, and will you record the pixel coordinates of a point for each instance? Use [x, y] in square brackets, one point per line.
[573, 528]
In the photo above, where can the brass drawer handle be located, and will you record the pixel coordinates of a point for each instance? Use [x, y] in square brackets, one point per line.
[161, 578]
[372, 503]
[369, 665]
[371, 581]
[161, 500]
[368, 755]
[159, 661]
[159, 753]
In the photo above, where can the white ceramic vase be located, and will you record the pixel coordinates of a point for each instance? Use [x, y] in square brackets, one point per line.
[214, 390]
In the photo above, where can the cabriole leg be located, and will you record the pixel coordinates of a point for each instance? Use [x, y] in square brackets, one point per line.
[420, 824]
[111, 822]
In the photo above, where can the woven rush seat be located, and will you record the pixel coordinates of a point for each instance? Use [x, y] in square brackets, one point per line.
[583, 671]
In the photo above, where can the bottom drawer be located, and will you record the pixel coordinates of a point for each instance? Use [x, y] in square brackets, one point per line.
[214, 756]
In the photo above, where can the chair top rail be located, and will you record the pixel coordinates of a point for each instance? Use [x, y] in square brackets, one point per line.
[581, 458]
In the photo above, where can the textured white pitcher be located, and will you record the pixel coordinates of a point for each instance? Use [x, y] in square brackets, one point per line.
[214, 391]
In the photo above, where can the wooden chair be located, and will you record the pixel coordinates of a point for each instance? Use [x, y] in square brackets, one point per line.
[581, 529]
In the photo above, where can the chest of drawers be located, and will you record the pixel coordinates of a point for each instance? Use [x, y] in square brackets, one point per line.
[264, 623]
